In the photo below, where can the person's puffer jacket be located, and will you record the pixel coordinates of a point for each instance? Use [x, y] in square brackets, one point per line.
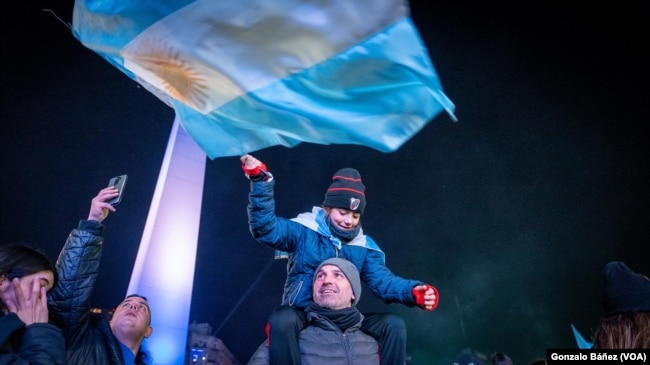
[38, 343]
[323, 343]
[88, 337]
[308, 242]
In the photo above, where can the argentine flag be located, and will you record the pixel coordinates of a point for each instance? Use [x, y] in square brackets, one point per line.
[243, 75]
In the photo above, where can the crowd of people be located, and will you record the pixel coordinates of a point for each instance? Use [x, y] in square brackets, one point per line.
[46, 317]
[46, 312]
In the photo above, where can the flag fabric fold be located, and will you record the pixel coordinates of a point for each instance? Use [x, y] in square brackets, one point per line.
[249, 74]
[580, 341]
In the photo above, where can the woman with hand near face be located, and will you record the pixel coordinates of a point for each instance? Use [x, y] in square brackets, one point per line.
[26, 336]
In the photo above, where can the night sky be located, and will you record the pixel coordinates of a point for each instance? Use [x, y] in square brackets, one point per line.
[511, 212]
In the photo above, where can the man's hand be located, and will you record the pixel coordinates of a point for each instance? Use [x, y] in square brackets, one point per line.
[99, 207]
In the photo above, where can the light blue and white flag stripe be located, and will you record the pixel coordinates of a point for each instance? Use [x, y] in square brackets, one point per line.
[249, 74]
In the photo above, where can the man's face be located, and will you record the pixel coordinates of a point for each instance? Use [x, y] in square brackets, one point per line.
[332, 289]
[343, 218]
[132, 317]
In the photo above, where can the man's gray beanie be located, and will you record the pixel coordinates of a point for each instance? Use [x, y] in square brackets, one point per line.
[349, 270]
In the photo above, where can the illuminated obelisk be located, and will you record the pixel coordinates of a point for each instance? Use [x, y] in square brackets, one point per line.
[164, 266]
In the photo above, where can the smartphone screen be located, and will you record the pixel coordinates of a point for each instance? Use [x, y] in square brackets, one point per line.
[118, 182]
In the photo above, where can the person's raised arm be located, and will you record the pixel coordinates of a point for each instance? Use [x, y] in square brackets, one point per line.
[78, 268]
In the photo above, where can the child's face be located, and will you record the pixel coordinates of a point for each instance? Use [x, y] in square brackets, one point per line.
[343, 218]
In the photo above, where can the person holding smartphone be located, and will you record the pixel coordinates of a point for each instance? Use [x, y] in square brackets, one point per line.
[94, 338]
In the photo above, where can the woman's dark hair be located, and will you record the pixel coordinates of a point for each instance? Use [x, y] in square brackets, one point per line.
[19, 259]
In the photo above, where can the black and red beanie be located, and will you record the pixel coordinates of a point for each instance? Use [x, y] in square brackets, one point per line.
[346, 191]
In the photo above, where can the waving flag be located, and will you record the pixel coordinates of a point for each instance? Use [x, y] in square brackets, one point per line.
[248, 74]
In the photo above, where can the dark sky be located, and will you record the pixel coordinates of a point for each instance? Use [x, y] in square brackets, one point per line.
[511, 212]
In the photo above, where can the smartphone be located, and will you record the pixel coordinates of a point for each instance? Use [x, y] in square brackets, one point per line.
[118, 182]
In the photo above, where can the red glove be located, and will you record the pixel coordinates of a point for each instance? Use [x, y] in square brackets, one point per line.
[418, 294]
[256, 171]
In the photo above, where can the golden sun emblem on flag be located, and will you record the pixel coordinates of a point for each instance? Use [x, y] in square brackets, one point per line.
[177, 76]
